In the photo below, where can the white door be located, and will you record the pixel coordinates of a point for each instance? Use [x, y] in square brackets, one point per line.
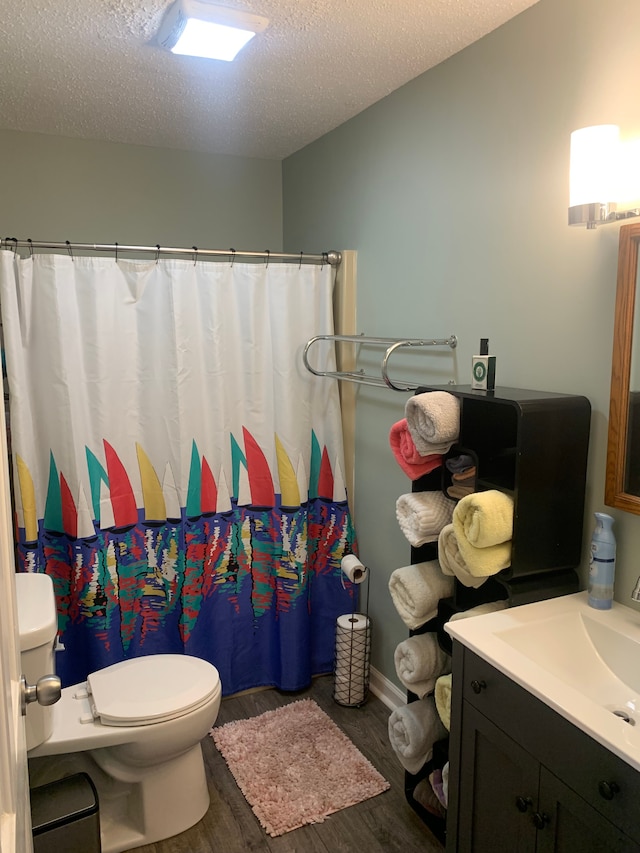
[15, 815]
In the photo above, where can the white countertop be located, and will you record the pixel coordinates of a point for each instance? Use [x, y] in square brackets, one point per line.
[583, 663]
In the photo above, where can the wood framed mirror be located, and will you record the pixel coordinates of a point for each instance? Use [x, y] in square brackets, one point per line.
[622, 482]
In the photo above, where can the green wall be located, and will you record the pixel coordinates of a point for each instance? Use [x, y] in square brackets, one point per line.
[454, 192]
[57, 189]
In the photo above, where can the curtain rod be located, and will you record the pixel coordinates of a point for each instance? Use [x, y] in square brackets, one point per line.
[333, 258]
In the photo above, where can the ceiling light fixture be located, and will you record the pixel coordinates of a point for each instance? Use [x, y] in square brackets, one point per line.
[197, 28]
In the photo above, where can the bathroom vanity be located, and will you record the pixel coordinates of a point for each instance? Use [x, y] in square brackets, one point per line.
[545, 736]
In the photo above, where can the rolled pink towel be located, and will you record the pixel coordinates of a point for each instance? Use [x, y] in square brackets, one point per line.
[412, 463]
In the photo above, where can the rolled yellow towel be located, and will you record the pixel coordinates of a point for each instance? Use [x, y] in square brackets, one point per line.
[451, 561]
[483, 562]
[484, 518]
[442, 695]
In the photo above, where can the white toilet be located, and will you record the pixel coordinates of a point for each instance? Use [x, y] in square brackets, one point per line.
[134, 727]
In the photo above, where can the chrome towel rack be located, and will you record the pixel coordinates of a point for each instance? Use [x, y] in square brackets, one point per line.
[391, 345]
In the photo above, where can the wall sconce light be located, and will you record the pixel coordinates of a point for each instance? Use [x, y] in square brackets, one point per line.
[596, 176]
[198, 28]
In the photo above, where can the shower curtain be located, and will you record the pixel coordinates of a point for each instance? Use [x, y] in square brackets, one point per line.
[176, 470]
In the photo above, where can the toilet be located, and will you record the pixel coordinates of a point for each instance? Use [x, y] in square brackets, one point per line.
[135, 727]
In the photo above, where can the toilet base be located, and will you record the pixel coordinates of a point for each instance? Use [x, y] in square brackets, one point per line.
[138, 806]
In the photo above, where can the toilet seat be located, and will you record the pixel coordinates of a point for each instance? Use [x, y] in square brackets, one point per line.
[150, 689]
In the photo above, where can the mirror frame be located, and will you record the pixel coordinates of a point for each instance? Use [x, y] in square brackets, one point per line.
[615, 496]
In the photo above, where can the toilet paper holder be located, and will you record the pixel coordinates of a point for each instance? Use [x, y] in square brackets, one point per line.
[353, 641]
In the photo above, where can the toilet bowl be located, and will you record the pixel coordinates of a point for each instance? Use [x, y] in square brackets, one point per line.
[135, 727]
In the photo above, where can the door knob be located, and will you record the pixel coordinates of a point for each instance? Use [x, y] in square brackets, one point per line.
[608, 789]
[46, 691]
[540, 820]
[523, 803]
[478, 686]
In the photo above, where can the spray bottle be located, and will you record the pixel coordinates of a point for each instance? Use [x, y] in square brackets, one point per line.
[602, 564]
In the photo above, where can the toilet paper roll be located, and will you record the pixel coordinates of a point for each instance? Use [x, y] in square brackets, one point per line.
[353, 569]
[353, 650]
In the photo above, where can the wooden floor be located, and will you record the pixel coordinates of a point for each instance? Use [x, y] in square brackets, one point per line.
[383, 823]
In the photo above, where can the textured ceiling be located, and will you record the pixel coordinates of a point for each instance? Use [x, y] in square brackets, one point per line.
[91, 69]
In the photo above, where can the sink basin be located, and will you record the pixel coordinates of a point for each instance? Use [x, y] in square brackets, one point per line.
[584, 663]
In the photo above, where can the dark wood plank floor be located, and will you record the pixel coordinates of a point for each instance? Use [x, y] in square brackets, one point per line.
[383, 823]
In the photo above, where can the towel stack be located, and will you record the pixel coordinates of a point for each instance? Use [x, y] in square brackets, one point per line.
[420, 662]
[478, 542]
[416, 590]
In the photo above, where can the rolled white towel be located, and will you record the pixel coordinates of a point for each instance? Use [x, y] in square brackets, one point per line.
[413, 730]
[433, 420]
[489, 607]
[419, 662]
[416, 591]
[484, 518]
[422, 515]
[451, 561]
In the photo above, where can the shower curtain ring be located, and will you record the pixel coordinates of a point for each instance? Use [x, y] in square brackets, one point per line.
[68, 245]
[30, 242]
[233, 255]
[267, 253]
[13, 240]
[325, 259]
[300, 264]
[116, 245]
[195, 257]
[157, 252]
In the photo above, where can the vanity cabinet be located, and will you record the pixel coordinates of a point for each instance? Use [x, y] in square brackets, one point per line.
[524, 779]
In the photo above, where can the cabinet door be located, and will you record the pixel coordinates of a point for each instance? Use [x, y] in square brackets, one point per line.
[498, 791]
[573, 825]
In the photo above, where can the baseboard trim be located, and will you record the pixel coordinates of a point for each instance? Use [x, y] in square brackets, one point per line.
[386, 690]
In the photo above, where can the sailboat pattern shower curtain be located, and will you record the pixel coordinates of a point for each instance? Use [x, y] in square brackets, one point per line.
[176, 470]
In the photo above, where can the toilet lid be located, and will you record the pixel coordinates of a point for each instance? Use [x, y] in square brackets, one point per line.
[151, 689]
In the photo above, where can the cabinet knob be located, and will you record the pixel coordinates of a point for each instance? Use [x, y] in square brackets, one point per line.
[478, 686]
[540, 820]
[523, 803]
[608, 789]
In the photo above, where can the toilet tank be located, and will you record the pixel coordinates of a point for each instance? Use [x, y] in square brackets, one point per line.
[37, 629]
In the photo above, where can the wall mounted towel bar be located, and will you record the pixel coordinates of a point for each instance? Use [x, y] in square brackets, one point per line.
[391, 344]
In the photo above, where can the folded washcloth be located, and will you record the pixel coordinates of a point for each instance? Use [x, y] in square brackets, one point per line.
[422, 515]
[419, 662]
[433, 419]
[442, 695]
[425, 793]
[416, 591]
[459, 491]
[435, 780]
[445, 784]
[412, 463]
[461, 462]
[485, 518]
[451, 561]
[413, 730]
[489, 607]
[483, 562]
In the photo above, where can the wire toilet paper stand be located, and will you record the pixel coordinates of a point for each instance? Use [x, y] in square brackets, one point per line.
[353, 654]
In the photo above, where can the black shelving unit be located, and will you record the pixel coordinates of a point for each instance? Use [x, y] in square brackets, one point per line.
[532, 445]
